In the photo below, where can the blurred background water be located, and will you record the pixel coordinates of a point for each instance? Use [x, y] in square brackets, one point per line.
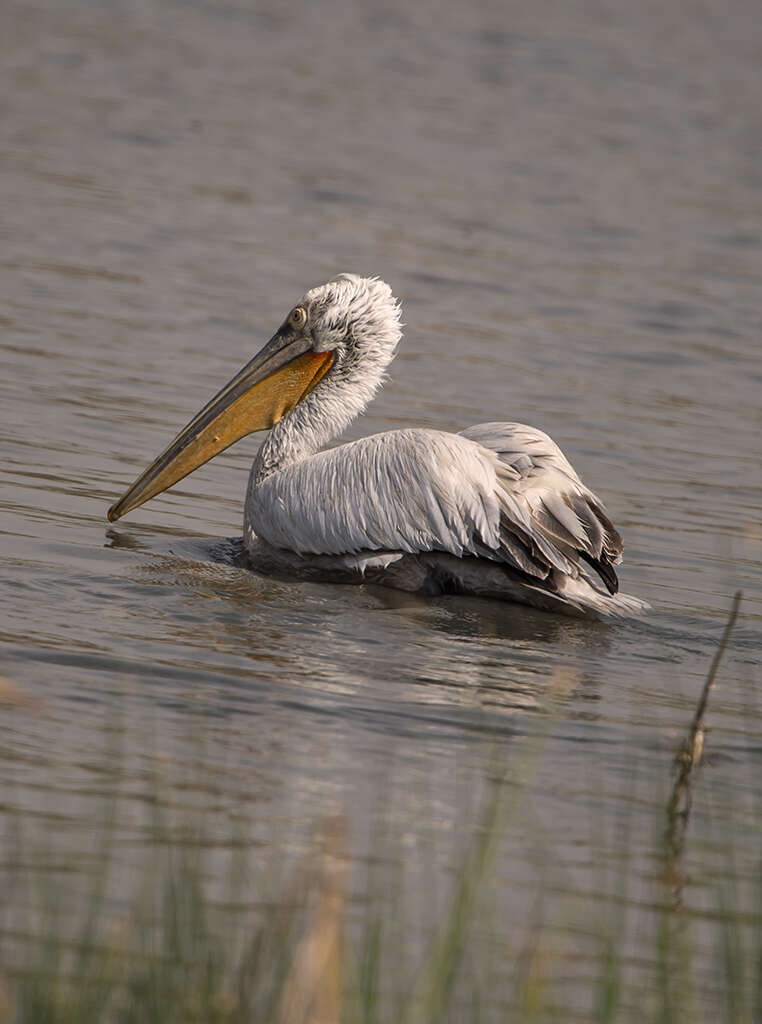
[567, 197]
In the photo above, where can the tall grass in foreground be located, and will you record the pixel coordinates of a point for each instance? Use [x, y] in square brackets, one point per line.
[310, 952]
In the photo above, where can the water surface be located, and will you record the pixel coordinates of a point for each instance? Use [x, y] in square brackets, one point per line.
[568, 201]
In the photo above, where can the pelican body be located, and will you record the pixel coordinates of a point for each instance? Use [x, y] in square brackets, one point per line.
[496, 510]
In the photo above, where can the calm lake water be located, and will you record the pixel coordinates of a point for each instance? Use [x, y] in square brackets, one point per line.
[568, 200]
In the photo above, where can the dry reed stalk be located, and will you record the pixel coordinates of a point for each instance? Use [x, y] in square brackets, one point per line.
[687, 759]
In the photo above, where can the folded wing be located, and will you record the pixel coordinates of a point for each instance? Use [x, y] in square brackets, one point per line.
[501, 491]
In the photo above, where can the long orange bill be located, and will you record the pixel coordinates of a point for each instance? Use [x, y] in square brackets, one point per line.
[255, 399]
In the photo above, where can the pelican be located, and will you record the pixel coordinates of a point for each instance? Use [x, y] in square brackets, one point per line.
[495, 511]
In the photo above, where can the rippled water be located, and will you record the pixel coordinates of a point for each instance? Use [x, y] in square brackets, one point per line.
[568, 200]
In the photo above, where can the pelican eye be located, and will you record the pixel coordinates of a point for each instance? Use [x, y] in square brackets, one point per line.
[297, 317]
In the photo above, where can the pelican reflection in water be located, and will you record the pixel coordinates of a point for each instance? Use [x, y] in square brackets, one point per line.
[495, 510]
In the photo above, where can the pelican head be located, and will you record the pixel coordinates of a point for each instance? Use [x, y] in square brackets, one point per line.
[341, 333]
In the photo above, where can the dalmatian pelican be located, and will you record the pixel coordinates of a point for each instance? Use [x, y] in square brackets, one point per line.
[495, 511]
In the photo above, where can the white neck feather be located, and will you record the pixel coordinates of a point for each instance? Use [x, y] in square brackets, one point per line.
[323, 415]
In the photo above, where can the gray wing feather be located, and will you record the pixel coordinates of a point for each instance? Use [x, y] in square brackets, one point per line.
[563, 512]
